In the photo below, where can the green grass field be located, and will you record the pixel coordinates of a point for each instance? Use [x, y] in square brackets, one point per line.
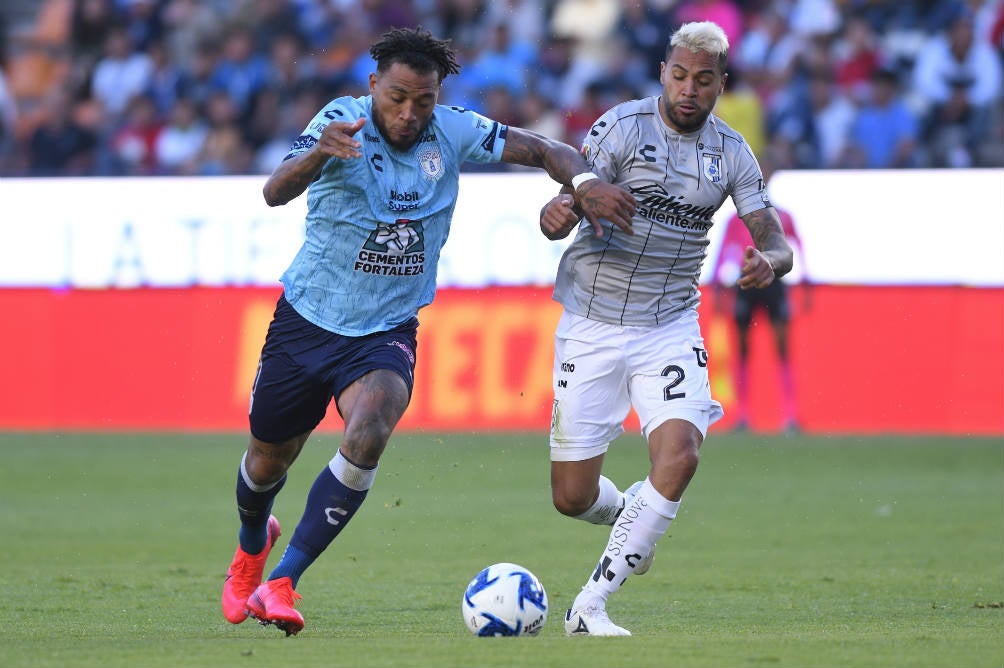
[787, 552]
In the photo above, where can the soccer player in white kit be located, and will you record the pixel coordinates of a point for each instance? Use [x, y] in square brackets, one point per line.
[629, 334]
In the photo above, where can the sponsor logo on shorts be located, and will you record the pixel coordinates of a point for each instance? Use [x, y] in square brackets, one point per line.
[405, 348]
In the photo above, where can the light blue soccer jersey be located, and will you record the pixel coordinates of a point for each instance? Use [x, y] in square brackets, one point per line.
[375, 225]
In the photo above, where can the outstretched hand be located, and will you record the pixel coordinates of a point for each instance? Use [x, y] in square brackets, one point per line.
[598, 199]
[337, 139]
[757, 271]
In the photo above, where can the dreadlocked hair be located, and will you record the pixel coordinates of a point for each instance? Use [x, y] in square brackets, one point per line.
[417, 49]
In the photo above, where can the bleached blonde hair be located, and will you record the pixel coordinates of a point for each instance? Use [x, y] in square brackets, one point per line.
[706, 36]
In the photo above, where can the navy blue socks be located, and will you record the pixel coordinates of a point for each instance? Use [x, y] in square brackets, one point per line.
[254, 505]
[336, 495]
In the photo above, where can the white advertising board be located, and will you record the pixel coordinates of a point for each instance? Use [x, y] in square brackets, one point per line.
[906, 227]
[929, 227]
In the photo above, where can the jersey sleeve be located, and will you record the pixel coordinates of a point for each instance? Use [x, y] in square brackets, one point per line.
[338, 109]
[749, 192]
[479, 138]
[599, 145]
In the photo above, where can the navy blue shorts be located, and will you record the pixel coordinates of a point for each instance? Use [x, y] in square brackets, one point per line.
[303, 367]
[773, 298]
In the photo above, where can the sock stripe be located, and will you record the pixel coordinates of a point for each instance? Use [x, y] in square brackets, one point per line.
[351, 475]
[250, 483]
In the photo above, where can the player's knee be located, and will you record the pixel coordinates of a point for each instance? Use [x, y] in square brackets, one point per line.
[267, 464]
[687, 460]
[677, 462]
[365, 440]
[570, 502]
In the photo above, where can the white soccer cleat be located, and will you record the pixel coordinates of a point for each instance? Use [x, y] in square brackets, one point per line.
[629, 495]
[591, 622]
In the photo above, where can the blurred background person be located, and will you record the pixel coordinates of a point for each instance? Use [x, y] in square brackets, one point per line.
[742, 109]
[62, 143]
[134, 143]
[187, 25]
[767, 58]
[856, 56]
[642, 27]
[502, 61]
[538, 114]
[224, 150]
[180, 141]
[167, 79]
[885, 130]
[8, 116]
[958, 79]
[772, 301]
[120, 74]
[294, 115]
[240, 70]
[587, 26]
[579, 119]
[831, 115]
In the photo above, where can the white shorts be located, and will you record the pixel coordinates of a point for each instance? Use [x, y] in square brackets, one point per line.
[601, 371]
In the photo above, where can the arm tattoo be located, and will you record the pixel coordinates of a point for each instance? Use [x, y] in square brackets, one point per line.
[530, 149]
[768, 236]
[523, 148]
[765, 228]
[292, 177]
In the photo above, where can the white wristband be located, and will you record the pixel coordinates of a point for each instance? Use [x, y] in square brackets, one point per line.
[579, 179]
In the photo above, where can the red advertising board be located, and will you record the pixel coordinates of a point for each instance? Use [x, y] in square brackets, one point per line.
[866, 360]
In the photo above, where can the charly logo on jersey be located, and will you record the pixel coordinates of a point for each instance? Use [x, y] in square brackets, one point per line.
[430, 160]
[394, 249]
[712, 167]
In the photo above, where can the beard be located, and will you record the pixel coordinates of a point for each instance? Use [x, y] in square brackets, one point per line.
[395, 141]
[686, 123]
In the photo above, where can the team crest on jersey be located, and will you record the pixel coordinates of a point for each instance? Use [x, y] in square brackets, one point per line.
[431, 162]
[712, 167]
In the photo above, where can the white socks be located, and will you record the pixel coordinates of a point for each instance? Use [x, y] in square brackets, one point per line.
[632, 537]
[608, 503]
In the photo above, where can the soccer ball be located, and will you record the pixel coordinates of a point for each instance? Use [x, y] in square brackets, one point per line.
[504, 600]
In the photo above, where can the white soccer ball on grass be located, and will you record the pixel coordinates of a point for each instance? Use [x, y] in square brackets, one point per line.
[505, 600]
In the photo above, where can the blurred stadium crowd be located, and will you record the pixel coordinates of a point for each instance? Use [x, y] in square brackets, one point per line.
[214, 87]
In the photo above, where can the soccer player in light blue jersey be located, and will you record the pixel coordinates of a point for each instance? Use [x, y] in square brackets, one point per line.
[629, 335]
[381, 174]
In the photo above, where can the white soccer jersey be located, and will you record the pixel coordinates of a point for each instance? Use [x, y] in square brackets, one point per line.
[679, 181]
